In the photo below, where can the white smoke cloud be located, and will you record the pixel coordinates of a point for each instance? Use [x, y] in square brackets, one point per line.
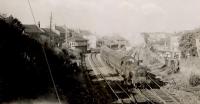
[91, 40]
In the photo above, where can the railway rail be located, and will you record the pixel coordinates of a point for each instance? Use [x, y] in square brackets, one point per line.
[163, 94]
[158, 95]
[118, 90]
[142, 95]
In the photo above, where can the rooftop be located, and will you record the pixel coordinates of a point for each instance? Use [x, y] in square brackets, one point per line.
[77, 38]
[49, 32]
[60, 29]
[32, 29]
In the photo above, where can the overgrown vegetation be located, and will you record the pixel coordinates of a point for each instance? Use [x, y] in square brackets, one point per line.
[187, 45]
[194, 80]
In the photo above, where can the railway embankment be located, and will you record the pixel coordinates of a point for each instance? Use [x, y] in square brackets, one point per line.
[185, 83]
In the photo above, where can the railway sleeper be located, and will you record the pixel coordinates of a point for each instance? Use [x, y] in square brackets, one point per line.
[150, 96]
[163, 96]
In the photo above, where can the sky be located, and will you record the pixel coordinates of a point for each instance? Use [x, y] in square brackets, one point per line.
[104, 17]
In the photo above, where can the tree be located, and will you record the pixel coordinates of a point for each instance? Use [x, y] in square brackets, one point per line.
[15, 23]
[187, 45]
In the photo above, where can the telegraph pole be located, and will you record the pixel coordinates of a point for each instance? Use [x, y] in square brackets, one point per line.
[50, 32]
[50, 22]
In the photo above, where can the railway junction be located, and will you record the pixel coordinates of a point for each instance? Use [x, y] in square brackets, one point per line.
[101, 71]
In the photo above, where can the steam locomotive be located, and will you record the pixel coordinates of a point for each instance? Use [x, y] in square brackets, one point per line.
[129, 67]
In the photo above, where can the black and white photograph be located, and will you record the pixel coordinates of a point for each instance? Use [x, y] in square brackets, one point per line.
[99, 51]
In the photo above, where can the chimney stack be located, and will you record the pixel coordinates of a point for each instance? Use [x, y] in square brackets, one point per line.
[39, 24]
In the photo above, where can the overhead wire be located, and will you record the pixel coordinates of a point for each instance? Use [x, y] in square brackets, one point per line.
[46, 59]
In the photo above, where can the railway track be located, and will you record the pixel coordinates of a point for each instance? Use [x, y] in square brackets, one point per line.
[120, 93]
[155, 95]
[142, 95]
[163, 94]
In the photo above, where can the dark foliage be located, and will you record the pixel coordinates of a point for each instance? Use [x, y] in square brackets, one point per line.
[24, 71]
[194, 80]
[22, 64]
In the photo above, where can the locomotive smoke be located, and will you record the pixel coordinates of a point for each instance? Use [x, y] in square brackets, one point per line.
[135, 39]
[91, 40]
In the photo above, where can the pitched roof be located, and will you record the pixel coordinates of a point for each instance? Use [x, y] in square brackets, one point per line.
[47, 30]
[77, 38]
[60, 29]
[33, 29]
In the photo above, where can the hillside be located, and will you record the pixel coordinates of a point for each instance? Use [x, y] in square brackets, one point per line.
[24, 73]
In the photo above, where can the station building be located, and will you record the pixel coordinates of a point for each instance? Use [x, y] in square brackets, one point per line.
[78, 42]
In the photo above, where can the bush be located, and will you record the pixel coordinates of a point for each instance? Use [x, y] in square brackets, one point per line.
[194, 80]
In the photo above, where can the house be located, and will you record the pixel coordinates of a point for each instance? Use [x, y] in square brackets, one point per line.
[122, 43]
[78, 42]
[35, 32]
[62, 31]
[53, 36]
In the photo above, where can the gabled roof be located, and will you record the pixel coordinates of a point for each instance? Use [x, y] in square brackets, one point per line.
[77, 38]
[60, 29]
[32, 29]
[49, 32]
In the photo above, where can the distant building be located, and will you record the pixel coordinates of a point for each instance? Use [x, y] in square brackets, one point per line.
[122, 43]
[62, 31]
[78, 42]
[53, 36]
[114, 42]
[33, 30]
